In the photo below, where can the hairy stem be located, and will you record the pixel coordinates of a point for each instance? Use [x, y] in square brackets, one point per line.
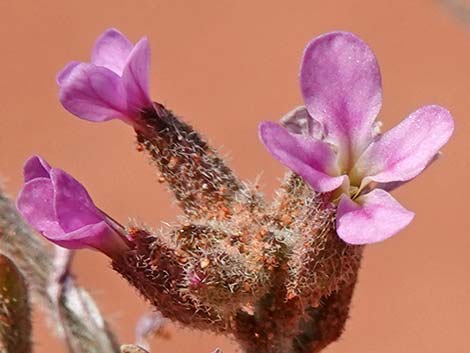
[324, 324]
[15, 313]
[321, 263]
[199, 179]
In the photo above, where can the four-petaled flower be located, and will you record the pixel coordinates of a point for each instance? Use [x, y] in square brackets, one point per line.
[334, 143]
[115, 85]
[59, 207]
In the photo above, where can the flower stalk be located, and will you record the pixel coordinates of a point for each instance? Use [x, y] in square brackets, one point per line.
[255, 273]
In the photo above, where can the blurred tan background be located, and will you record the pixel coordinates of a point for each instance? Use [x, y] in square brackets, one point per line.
[225, 65]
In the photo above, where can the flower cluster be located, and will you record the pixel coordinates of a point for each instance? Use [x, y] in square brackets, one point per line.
[333, 142]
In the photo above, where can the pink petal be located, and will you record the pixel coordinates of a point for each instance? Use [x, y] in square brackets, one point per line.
[99, 236]
[341, 86]
[93, 93]
[371, 218]
[403, 152]
[36, 167]
[136, 77]
[390, 186]
[35, 203]
[64, 74]
[111, 51]
[310, 158]
[73, 206]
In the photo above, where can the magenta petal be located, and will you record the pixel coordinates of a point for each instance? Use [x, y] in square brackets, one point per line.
[36, 167]
[34, 202]
[73, 206]
[64, 74]
[371, 218]
[136, 77]
[341, 86]
[93, 93]
[111, 50]
[310, 158]
[403, 152]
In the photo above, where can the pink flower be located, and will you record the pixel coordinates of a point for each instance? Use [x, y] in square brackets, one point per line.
[59, 207]
[334, 144]
[115, 85]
